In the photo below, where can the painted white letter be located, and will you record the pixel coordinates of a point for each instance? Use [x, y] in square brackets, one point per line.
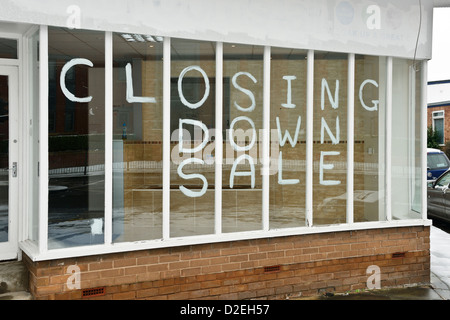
[375, 102]
[334, 139]
[231, 134]
[250, 173]
[335, 102]
[280, 173]
[180, 87]
[327, 167]
[187, 192]
[282, 140]
[194, 123]
[246, 91]
[62, 79]
[130, 91]
[289, 103]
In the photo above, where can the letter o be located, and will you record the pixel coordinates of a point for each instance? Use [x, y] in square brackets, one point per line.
[180, 87]
[230, 133]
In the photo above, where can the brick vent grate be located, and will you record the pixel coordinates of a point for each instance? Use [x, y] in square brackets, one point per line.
[272, 269]
[93, 292]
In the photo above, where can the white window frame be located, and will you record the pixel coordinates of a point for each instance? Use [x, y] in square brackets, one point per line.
[40, 251]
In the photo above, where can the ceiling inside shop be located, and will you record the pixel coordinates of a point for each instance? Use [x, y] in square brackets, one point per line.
[90, 45]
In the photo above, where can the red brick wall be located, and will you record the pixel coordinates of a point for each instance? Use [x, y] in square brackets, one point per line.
[308, 264]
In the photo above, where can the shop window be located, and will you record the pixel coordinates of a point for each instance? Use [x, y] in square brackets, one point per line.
[241, 173]
[406, 140]
[76, 159]
[76, 139]
[288, 138]
[137, 137]
[369, 156]
[192, 180]
[330, 138]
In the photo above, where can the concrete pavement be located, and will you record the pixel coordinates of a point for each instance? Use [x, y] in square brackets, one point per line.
[437, 290]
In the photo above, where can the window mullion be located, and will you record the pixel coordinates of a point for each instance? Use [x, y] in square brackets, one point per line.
[309, 137]
[266, 140]
[166, 138]
[388, 143]
[423, 130]
[218, 138]
[350, 135]
[108, 135]
[43, 140]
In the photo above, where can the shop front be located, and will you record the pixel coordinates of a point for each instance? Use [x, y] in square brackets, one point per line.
[173, 150]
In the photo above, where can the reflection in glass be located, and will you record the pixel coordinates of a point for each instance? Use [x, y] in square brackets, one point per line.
[76, 138]
[137, 144]
[4, 158]
[288, 122]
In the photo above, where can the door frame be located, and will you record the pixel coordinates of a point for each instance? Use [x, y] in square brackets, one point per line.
[9, 250]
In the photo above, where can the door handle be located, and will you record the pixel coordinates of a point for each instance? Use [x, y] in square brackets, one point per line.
[13, 169]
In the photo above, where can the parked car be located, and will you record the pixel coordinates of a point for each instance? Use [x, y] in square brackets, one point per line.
[437, 163]
[438, 193]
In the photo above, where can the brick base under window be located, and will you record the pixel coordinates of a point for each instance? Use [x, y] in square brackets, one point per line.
[275, 268]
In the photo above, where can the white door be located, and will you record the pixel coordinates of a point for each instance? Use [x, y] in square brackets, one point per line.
[9, 166]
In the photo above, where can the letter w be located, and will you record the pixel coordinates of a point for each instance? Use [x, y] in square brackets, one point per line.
[282, 140]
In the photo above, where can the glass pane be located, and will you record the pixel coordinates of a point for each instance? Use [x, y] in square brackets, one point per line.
[330, 138]
[192, 111]
[4, 158]
[288, 138]
[439, 128]
[137, 144]
[369, 138]
[76, 137]
[8, 48]
[241, 179]
[406, 151]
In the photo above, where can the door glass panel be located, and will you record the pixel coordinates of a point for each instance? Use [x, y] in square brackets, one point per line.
[4, 162]
[76, 139]
[8, 48]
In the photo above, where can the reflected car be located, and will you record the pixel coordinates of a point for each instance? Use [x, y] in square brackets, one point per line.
[365, 206]
[438, 194]
[437, 163]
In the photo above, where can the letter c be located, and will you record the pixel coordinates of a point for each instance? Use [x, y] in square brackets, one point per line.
[62, 79]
